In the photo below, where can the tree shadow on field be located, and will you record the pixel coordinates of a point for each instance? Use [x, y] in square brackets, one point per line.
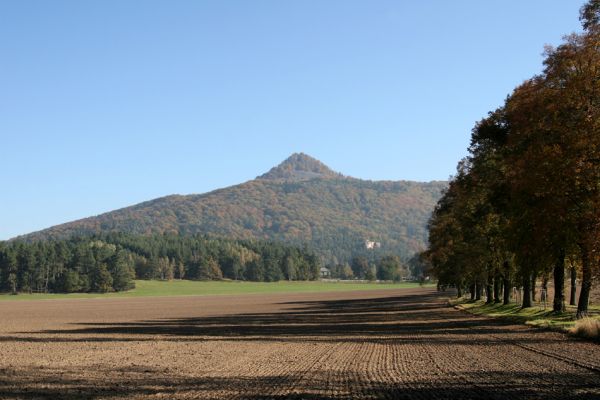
[408, 318]
[310, 385]
[411, 318]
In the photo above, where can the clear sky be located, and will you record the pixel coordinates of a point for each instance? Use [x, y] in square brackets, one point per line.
[108, 103]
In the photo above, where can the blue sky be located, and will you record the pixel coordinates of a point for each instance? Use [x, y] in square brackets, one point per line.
[105, 104]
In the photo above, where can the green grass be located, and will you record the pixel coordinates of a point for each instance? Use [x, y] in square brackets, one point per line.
[203, 288]
[534, 316]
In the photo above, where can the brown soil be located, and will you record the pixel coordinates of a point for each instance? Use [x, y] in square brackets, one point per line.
[394, 344]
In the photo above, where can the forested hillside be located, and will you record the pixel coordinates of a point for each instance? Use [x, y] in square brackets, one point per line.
[299, 202]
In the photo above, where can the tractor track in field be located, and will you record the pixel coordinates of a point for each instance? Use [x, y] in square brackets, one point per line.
[400, 344]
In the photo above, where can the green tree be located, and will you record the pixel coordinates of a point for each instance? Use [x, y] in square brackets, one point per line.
[209, 270]
[255, 271]
[70, 282]
[101, 281]
[389, 268]
[122, 271]
[360, 267]
[370, 275]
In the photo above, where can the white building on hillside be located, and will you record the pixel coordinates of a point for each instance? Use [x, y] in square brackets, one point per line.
[372, 245]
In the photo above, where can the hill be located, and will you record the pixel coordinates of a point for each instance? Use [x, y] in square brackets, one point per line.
[299, 201]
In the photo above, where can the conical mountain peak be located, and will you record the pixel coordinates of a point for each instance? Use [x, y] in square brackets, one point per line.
[300, 166]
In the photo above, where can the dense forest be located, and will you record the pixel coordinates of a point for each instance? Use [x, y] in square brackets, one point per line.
[525, 204]
[111, 262]
[300, 201]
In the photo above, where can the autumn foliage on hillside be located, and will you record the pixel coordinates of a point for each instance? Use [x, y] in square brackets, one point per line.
[299, 202]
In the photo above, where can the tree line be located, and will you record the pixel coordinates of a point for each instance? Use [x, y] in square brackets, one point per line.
[525, 203]
[386, 268]
[111, 262]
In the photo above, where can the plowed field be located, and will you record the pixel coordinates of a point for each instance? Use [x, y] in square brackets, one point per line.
[390, 344]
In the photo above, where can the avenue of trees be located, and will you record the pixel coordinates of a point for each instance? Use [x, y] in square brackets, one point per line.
[111, 262]
[525, 203]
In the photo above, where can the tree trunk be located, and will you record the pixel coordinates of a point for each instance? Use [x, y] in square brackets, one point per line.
[573, 286]
[533, 283]
[497, 289]
[478, 290]
[472, 290]
[526, 292]
[47, 279]
[488, 291]
[14, 286]
[586, 285]
[459, 292]
[559, 283]
[506, 287]
[506, 283]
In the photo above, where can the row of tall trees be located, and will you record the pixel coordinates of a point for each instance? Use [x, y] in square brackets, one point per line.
[525, 203]
[111, 262]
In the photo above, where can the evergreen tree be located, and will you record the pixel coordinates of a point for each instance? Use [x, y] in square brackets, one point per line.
[122, 271]
[101, 280]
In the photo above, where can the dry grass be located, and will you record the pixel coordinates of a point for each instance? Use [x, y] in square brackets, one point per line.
[587, 328]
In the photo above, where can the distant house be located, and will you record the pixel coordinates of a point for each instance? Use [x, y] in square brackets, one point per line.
[325, 272]
[372, 245]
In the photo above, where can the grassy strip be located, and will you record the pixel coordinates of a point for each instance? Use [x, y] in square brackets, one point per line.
[536, 316]
[203, 288]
